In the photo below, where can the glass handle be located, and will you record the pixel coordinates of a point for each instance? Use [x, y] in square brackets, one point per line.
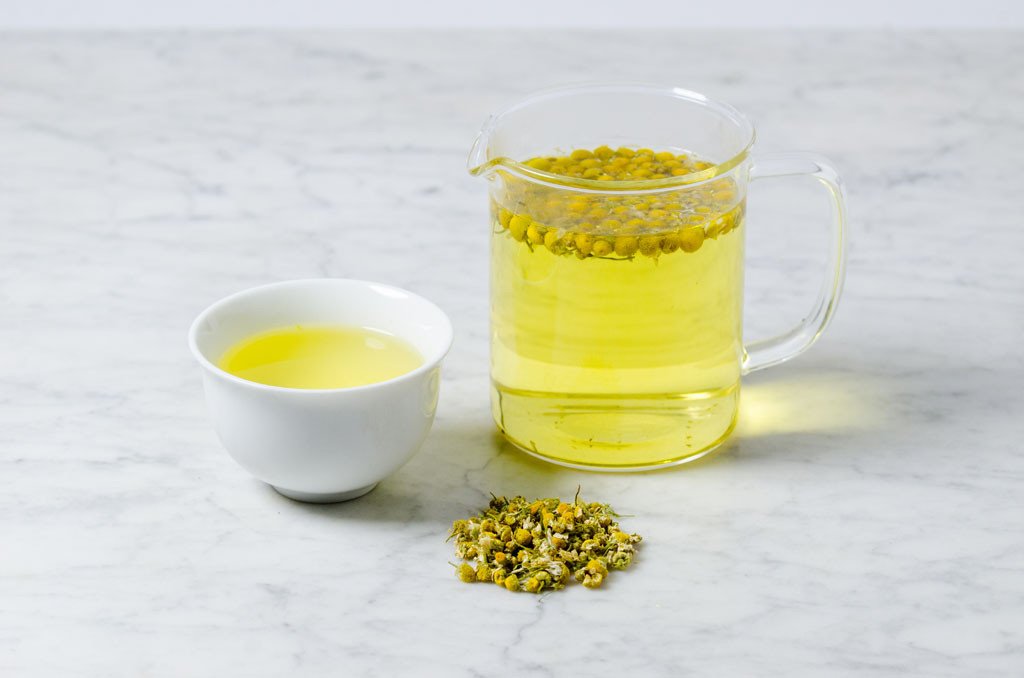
[768, 352]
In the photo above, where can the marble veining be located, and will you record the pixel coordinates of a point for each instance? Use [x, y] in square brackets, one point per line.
[866, 519]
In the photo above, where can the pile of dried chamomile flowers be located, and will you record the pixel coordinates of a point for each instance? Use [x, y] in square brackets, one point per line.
[538, 545]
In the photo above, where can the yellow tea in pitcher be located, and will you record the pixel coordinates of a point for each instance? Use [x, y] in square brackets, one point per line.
[320, 357]
[616, 316]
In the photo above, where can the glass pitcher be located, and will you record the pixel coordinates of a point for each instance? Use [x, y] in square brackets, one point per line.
[617, 215]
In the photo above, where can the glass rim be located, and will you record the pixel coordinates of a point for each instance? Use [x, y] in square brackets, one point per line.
[479, 165]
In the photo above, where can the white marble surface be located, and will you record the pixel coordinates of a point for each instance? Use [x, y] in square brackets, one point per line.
[866, 520]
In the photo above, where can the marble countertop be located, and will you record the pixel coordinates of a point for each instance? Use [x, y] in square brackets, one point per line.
[866, 519]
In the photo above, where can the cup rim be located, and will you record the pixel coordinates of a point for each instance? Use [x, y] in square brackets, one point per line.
[429, 362]
[480, 165]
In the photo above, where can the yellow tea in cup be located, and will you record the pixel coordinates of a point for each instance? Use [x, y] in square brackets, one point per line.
[616, 316]
[320, 357]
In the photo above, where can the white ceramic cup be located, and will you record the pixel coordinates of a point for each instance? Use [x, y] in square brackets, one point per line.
[322, 445]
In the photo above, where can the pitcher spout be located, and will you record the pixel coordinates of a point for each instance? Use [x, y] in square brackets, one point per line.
[479, 163]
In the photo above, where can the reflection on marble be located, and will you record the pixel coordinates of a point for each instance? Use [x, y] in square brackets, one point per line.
[866, 519]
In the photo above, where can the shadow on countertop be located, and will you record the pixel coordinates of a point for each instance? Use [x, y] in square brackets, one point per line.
[864, 414]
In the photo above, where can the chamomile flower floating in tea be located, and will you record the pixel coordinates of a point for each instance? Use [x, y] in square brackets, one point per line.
[538, 545]
[602, 225]
[320, 357]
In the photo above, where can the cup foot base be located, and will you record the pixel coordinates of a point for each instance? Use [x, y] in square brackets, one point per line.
[627, 432]
[323, 497]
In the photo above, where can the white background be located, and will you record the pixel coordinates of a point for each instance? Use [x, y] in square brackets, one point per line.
[508, 13]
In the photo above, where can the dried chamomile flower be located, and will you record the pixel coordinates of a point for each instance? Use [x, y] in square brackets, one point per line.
[467, 573]
[538, 545]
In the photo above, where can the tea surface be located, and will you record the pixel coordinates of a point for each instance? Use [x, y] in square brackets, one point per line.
[320, 357]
